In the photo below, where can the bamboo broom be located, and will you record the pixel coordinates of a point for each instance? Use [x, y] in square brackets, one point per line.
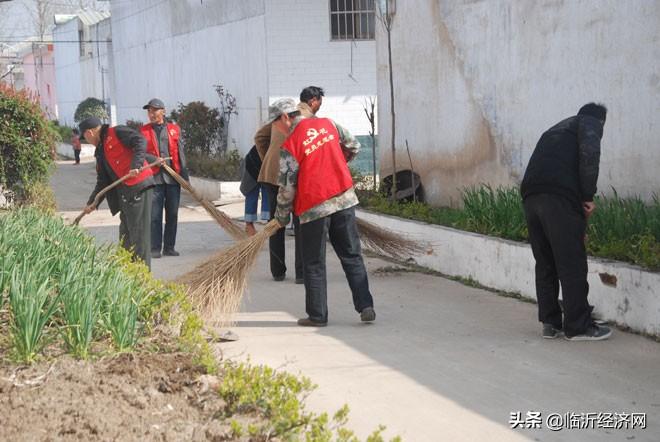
[234, 230]
[107, 189]
[386, 242]
[217, 286]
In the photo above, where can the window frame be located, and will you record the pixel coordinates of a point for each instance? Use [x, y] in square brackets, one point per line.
[356, 21]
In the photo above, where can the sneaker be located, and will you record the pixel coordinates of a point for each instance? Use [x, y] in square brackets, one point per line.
[155, 254]
[170, 252]
[279, 278]
[368, 315]
[308, 322]
[551, 332]
[593, 333]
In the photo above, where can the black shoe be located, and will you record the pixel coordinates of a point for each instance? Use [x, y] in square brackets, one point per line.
[170, 252]
[595, 332]
[155, 253]
[307, 322]
[551, 332]
[279, 278]
[368, 314]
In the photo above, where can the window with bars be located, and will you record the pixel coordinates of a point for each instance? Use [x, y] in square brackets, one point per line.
[352, 19]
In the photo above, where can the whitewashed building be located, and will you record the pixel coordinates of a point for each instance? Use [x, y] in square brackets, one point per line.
[476, 82]
[259, 50]
[83, 62]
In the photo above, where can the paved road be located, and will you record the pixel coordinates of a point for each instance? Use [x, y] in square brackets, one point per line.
[442, 362]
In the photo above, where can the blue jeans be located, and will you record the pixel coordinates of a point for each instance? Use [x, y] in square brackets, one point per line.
[167, 196]
[252, 201]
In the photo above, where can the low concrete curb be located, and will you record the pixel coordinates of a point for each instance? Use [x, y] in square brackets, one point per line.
[623, 294]
[213, 190]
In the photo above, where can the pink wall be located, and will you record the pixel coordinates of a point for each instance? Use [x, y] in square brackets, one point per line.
[39, 71]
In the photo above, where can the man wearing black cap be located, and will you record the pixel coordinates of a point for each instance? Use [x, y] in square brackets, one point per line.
[121, 151]
[164, 141]
[558, 197]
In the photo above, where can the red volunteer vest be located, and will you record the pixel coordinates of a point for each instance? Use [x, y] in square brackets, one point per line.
[173, 135]
[323, 171]
[119, 158]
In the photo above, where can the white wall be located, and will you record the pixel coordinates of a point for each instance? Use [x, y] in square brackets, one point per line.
[477, 82]
[259, 50]
[300, 54]
[77, 77]
[67, 71]
[177, 51]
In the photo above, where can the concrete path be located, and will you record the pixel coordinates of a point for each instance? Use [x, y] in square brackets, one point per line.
[443, 361]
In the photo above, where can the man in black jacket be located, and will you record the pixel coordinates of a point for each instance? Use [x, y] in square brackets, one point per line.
[121, 151]
[558, 190]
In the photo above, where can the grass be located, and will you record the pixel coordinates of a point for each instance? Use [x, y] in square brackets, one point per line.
[624, 229]
[60, 283]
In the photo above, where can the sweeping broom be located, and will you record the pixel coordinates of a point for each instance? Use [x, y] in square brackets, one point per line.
[386, 242]
[107, 189]
[217, 286]
[234, 230]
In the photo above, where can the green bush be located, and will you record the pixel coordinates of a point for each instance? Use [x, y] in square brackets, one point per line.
[279, 397]
[90, 107]
[200, 127]
[223, 167]
[65, 132]
[135, 124]
[27, 142]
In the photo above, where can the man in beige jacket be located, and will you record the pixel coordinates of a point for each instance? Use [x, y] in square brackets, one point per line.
[269, 142]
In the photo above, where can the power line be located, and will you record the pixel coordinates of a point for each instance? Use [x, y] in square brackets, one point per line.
[56, 41]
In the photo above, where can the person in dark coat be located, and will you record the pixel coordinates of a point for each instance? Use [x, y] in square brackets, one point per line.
[251, 189]
[121, 151]
[558, 197]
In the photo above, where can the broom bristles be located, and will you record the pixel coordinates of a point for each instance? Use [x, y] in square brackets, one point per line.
[216, 286]
[383, 241]
[233, 229]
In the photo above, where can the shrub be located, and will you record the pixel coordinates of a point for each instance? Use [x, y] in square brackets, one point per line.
[27, 141]
[65, 132]
[224, 167]
[135, 124]
[90, 107]
[200, 127]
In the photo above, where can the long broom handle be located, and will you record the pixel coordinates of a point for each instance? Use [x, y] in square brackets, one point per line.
[107, 189]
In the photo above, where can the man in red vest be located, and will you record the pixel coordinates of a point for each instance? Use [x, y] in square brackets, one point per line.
[121, 151]
[164, 141]
[316, 184]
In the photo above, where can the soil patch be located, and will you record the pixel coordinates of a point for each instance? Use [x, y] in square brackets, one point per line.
[129, 397]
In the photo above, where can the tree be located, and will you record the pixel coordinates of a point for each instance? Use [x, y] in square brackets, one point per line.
[227, 109]
[90, 107]
[369, 109]
[386, 12]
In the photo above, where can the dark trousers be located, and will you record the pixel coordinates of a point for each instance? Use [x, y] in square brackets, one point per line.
[276, 242]
[76, 154]
[342, 230]
[135, 225]
[556, 234]
[167, 196]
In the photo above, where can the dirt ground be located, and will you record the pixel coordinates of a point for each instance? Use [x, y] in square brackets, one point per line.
[129, 397]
